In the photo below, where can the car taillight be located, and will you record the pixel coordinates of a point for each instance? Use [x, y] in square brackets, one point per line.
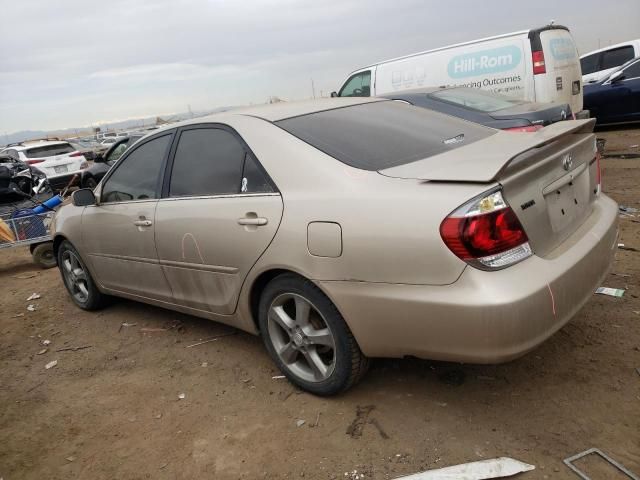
[486, 233]
[528, 128]
[76, 154]
[35, 160]
[538, 62]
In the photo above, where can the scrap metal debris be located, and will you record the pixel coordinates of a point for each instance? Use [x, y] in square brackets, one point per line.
[612, 292]
[569, 463]
[485, 469]
[31, 308]
[51, 364]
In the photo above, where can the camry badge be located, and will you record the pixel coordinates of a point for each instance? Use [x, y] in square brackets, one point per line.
[567, 162]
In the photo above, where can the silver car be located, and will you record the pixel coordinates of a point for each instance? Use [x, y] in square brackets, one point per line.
[345, 229]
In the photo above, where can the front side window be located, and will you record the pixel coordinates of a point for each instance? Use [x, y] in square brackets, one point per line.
[358, 85]
[616, 57]
[212, 161]
[136, 178]
[632, 71]
[589, 64]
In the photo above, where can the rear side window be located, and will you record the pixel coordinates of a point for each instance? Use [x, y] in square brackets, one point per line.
[359, 85]
[379, 135]
[474, 99]
[589, 64]
[616, 57]
[212, 161]
[49, 150]
[137, 177]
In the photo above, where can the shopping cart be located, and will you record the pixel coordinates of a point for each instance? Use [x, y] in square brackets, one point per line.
[24, 227]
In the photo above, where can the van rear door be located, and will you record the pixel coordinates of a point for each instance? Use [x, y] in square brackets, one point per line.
[556, 67]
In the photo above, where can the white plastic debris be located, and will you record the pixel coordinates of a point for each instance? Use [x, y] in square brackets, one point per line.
[204, 365]
[277, 377]
[181, 396]
[33, 296]
[46, 342]
[299, 423]
[485, 469]
[43, 351]
[31, 307]
[51, 364]
[613, 292]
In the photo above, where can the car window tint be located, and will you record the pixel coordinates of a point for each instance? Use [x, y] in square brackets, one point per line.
[632, 71]
[589, 64]
[208, 161]
[357, 86]
[616, 57]
[379, 135]
[49, 150]
[136, 178]
[253, 180]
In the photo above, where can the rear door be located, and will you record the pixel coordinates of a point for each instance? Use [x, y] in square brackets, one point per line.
[562, 79]
[218, 214]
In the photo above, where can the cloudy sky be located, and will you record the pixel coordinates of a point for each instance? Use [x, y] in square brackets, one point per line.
[72, 63]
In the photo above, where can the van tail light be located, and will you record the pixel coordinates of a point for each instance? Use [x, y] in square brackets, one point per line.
[76, 154]
[486, 233]
[538, 62]
[33, 161]
[528, 128]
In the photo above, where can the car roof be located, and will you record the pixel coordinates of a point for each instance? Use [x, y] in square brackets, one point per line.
[278, 111]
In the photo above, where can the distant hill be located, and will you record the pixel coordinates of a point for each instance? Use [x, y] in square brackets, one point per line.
[123, 125]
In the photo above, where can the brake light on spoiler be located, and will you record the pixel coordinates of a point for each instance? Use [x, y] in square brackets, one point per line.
[486, 233]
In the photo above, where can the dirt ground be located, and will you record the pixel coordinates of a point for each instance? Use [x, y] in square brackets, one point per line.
[112, 410]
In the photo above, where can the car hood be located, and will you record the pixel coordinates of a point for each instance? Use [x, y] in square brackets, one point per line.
[482, 161]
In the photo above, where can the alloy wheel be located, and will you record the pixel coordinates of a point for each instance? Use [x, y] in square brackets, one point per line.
[75, 276]
[301, 337]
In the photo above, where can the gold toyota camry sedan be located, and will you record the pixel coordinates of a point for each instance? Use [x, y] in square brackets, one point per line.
[345, 229]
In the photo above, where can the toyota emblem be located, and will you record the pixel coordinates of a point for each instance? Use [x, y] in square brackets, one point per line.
[567, 162]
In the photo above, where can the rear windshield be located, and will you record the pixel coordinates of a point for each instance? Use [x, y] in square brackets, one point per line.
[49, 150]
[379, 135]
[476, 99]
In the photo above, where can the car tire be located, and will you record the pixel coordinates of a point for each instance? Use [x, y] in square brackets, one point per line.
[77, 279]
[91, 183]
[314, 349]
[43, 255]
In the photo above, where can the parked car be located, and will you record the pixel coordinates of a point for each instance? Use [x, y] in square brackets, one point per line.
[92, 175]
[88, 149]
[537, 65]
[486, 108]
[344, 229]
[57, 159]
[616, 99]
[597, 65]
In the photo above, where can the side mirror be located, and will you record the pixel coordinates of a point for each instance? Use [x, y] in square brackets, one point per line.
[83, 197]
[334, 94]
[617, 77]
[99, 158]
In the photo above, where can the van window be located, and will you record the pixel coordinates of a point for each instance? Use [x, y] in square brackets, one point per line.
[590, 63]
[616, 57]
[379, 135]
[359, 85]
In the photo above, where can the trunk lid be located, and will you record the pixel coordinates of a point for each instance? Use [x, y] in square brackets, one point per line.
[549, 177]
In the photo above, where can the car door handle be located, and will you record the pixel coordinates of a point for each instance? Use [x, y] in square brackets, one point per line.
[143, 223]
[256, 221]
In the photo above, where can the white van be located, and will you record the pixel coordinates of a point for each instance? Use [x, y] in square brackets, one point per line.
[539, 65]
[598, 64]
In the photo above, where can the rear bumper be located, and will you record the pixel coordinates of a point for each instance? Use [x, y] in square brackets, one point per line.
[484, 317]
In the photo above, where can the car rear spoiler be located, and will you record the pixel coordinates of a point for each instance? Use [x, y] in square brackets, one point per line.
[484, 160]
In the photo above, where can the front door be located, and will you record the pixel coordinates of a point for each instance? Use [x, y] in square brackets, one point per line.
[219, 214]
[119, 232]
